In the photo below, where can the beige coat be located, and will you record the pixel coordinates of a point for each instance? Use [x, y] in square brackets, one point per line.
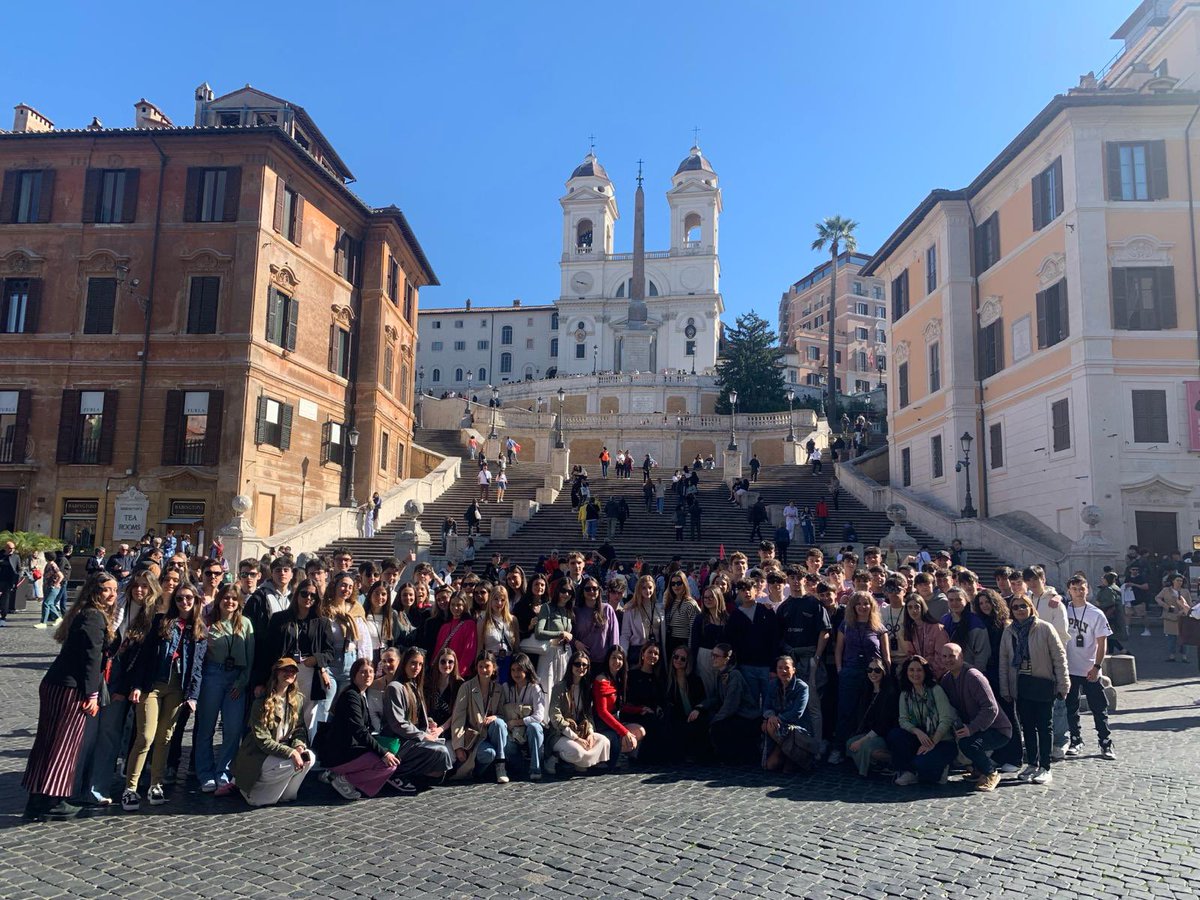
[466, 725]
[1047, 658]
[1173, 607]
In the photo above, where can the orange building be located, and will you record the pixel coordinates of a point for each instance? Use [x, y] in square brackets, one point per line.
[1049, 310]
[191, 313]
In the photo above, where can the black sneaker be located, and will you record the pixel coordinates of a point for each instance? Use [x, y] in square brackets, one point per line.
[1107, 750]
[1075, 748]
[407, 788]
[63, 809]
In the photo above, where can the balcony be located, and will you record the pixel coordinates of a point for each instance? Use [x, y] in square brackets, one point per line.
[193, 452]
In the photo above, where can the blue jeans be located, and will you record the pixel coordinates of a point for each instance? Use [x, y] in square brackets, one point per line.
[214, 698]
[495, 746]
[52, 603]
[591, 529]
[339, 674]
[535, 742]
[110, 743]
[757, 678]
[976, 748]
[1173, 646]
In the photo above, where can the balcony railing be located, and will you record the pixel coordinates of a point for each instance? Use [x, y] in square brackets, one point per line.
[89, 451]
[7, 449]
[193, 452]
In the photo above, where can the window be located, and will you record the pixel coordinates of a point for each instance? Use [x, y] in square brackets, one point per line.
[877, 292]
[554, 321]
[529, 321]
[837, 357]
[814, 352]
[858, 289]
[436, 346]
[339, 351]
[899, 296]
[554, 348]
[405, 383]
[212, 195]
[202, 304]
[460, 346]
[1048, 196]
[347, 258]
[881, 312]
[458, 323]
[15, 413]
[936, 462]
[283, 319]
[1137, 170]
[991, 349]
[1060, 425]
[458, 374]
[483, 345]
[28, 196]
[481, 375]
[861, 334]
[987, 243]
[399, 460]
[861, 387]
[812, 379]
[483, 323]
[437, 323]
[389, 365]
[528, 343]
[935, 368]
[506, 335]
[689, 349]
[505, 363]
[100, 306]
[581, 351]
[333, 445]
[383, 450]
[906, 467]
[410, 301]
[862, 309]
[273, 423]
[393, 280]
[289, 211]
[1143, 298]
[20, 306]
[931, 269]
[436, 375]
[1150, 417]
[996, 446]
[192, 428]
[110, 195]
[860, 360]
[880, 336]
[87, 427]
[902, 379]
[1052, 324]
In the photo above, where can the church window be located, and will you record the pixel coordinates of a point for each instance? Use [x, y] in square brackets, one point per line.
[580, 327]
[580, 351]
[583, 236]
[691, 230]
[626, 287]
[481, 375]
[554, 348]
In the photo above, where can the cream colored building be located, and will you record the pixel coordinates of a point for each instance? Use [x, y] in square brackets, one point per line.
[1049, 309]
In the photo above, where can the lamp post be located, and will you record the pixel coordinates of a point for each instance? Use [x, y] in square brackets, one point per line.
[540, 401]
[791, 435]
[467, 408]
[595, 357]
[495, 403]
[421, 397]
[879, 366]
[559, 442]
[121, 272]
[733, 422]
[968, 510]
[351, 438]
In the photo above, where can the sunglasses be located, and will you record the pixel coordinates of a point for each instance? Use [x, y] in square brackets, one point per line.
[592, 587]
[445, 662]
[215, 573]
[579, 665]
[190, 598]
[676, 583]
[680, 658]
[874, 670]
[247, 574]
[307, 595]
[1017, 606]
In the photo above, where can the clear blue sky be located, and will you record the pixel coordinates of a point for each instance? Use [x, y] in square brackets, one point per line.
[470, 116]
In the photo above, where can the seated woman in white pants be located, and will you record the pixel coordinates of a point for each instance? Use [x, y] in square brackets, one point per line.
[274, 757]
[573, 734]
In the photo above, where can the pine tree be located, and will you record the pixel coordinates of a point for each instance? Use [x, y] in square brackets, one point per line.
[751, 365]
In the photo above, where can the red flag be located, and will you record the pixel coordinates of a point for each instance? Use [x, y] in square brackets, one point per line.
[721, 552]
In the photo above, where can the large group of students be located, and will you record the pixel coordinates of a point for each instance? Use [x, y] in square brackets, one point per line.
[394, 676]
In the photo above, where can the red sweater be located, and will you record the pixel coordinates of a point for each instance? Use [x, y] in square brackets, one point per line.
[604, 698]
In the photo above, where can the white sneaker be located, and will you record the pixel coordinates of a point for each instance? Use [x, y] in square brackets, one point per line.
[42, 625]
[157, 795]
[1027, 773]
[130, 801]
[835, 758]
[1145, 632]
[1058, 754]
[1043, 776]
[345, 788]
[209, 786]
[550, 763]
[1009, 769]
[904, 779]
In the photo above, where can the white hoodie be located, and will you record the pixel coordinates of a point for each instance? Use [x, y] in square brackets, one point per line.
[1056, 616]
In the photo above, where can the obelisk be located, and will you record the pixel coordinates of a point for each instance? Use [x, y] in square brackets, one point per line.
[635, 356]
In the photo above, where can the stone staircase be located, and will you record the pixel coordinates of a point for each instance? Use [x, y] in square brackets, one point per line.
[523, 481]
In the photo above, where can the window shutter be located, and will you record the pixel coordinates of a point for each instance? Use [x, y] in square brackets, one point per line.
[33, 306]
[339, 254]
[273, 304]
[212, 428]
[1041, 319]
[1156, 158]
[1063, 310]
[326, 431]
[1119, 312]
[293, 321]
[233, 194]
[91, 192]
[191, 195]
[1164, 296]
[997, 446]
[332, 355]
[1113, 155]
[108, 428]
[260, 420]
[285, 426]
[172, 429]
[21, 428]
[1058, 186]
[129, 202]
[8, 197]
[1039, 184]
[277, 219]
[68, 427]
[100, 307]
[46, 200]
[298, 219]
[997, 329]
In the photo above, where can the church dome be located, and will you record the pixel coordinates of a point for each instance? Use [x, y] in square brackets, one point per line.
[590, 168]
[695, 162]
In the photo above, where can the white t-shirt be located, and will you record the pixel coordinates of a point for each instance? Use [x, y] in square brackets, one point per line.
[1091, 623]
[485, 476]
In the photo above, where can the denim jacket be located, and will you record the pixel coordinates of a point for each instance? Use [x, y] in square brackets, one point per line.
[155, 659]
[791, 706]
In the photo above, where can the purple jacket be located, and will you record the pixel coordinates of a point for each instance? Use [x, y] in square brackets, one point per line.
[972, 696]
[597, 638]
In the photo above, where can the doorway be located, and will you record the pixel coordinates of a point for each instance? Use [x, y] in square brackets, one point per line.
[264, 515]
[1157, 531]
[8, 510]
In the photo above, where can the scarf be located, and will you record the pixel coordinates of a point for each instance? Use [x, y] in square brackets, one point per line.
[1021, 642]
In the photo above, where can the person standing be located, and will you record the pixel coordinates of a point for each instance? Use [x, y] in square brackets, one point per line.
[10, 578]
[1176, 603]
[791, 517]
[1087, 639]
[54, 587]
[755, 465]
[757, 516]
[605, 460]
[69, 693]
[485, 481]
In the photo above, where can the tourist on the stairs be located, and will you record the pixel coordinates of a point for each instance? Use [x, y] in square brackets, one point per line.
[755, 465]
[822, 515]
[814, 458]
[757, 516]
[485, 481]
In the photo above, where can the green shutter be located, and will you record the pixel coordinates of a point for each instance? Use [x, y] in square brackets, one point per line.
[285, 426]
[1041, 319]
[1112, 153]
[1156, 166]
[1164, 296]
[260, 420]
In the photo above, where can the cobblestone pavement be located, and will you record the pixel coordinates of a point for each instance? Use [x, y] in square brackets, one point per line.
[1104, 829]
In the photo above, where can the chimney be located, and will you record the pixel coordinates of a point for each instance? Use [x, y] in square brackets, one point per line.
[204, 96]
[95, 124]
[147, 115]
[517, 302]
[28, 119]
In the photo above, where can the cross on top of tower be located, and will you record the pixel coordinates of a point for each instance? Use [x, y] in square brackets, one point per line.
[592, 144]
[696, 136]
[639, 175]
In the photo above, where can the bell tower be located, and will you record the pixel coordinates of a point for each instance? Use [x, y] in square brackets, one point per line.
[589, 213]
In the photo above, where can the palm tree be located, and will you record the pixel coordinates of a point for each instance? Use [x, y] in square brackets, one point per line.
[837, 232]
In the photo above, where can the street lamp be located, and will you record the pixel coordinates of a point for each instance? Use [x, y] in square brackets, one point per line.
[791, 435]
[679, 439]
[559, 442]
[733, 422]
[595, 357]
[121, 273]
[495, 403]
[421, 397]
[879, 366]
[964, 442]
[352, 439]
[467, 408]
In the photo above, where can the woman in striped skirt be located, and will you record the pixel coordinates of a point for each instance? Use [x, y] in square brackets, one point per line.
[69, 692]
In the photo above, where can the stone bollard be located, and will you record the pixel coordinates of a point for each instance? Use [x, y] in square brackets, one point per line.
[1121, 668]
